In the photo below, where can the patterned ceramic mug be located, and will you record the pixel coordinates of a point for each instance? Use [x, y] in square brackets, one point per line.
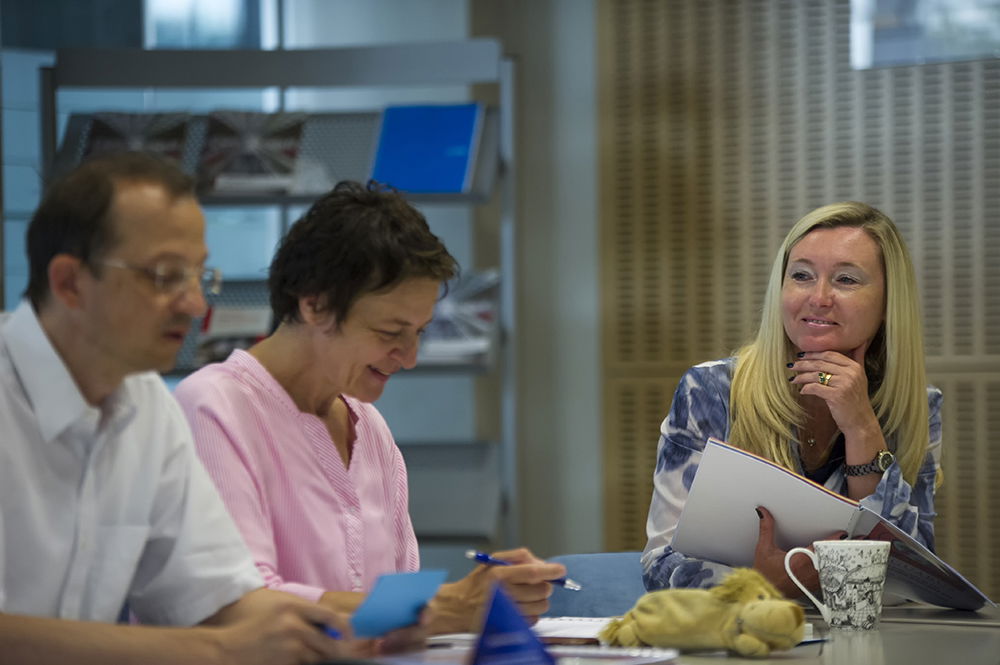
[851, 575]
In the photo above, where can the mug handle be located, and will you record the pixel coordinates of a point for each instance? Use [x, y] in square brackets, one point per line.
[823, 609]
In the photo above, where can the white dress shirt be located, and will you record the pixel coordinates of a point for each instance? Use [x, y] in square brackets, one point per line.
[99, 506]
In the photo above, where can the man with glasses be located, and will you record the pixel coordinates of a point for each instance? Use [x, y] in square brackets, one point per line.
[102, 499]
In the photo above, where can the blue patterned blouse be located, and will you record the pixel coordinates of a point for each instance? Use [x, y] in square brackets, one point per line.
[701, 410]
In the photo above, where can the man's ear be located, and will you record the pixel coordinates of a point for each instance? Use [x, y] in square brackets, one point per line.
[65, 272]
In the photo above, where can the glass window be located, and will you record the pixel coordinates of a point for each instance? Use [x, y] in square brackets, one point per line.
[218, 24]
[887, 33]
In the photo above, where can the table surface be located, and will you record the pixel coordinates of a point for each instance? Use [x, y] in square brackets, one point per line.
[907, 635]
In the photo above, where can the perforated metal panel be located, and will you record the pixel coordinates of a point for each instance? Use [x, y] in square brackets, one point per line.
[343, 142]
[242, 294]
[967, 502]
[637, 407]
[721, 123]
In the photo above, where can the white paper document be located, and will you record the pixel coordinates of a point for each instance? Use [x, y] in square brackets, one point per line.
[719, 523]
[552, 631]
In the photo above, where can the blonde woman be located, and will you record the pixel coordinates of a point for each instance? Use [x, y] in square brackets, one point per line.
[833, 387]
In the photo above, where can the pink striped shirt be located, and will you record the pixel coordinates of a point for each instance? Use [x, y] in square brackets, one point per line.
[311, 524]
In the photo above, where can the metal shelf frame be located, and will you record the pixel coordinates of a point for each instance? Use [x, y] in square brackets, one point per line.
[469, 62]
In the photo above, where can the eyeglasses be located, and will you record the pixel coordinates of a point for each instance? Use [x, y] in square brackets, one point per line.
[169, 278]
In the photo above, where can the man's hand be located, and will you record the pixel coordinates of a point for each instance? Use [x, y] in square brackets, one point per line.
[277, 628]
[397, 641]
[457, 607]
[401, 640]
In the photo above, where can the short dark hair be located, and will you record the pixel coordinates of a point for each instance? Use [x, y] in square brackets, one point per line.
[73, 217]
[353, 241]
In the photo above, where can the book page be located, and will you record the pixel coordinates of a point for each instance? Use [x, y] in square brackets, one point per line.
[917, 573]
[720, 523]
[551, 630]
[564, 655]
[554, 629]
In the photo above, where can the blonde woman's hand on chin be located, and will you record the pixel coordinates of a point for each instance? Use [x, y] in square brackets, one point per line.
[840, 381]
[458, 606]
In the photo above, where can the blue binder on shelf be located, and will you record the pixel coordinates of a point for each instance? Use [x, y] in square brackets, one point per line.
[428, 149]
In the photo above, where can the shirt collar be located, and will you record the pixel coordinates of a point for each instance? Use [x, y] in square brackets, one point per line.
[55, 399]
[248, 363]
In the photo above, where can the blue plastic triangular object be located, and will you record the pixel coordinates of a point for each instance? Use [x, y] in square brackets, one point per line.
[507, 639]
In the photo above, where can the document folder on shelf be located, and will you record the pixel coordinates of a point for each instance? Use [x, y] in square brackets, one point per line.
[428, 149]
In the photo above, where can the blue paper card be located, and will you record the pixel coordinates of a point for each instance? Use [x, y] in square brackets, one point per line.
[395, 602]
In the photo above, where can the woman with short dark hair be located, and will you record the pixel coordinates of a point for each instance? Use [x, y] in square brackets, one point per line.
[303, 460]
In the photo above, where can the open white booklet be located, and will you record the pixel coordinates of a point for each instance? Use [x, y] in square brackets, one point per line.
[564, 638]
[719, 523]
[574, 630]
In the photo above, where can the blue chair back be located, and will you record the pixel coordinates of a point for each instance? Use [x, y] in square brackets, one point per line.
[612, 582]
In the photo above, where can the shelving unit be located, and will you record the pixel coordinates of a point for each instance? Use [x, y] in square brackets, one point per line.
[447, 477]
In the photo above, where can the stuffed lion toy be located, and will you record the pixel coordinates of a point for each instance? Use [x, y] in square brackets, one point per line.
[744, 614]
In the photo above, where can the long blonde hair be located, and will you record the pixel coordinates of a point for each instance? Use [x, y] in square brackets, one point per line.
[765, 411]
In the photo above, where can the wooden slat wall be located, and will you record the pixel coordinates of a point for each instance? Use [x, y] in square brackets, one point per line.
[721, 123]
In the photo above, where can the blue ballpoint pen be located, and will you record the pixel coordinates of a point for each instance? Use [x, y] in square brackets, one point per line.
[330, 631]
[484, 558]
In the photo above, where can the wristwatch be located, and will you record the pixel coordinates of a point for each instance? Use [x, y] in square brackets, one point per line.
[883, 460]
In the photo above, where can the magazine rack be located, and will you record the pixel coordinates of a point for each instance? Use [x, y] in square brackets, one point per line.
[339, 145]
[488, 511]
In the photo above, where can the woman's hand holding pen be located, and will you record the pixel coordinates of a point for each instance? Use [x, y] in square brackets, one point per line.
[526, 580]
[458, 606]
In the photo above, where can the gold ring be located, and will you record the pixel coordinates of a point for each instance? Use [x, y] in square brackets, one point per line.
[824, 378]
